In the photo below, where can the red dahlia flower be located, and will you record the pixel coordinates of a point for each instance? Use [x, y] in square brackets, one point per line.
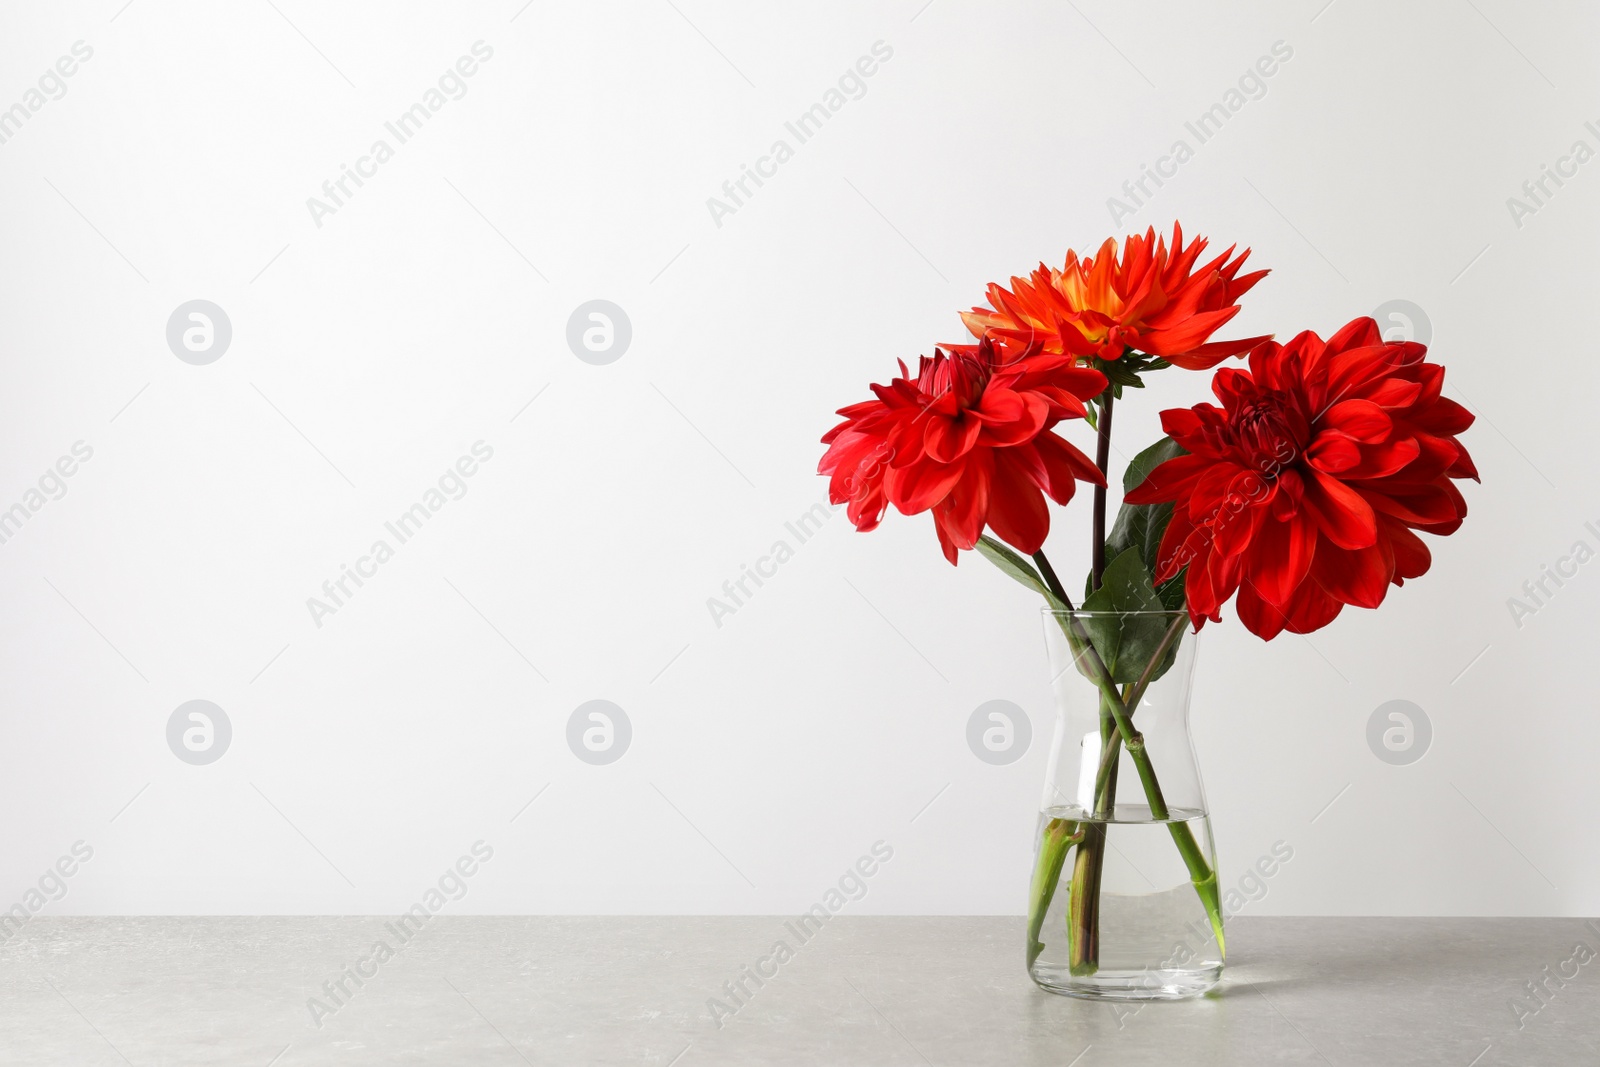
[1302, 490]
[1154, 300]
[970, 438]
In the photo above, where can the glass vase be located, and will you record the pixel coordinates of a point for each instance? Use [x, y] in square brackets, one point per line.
[1123, 902]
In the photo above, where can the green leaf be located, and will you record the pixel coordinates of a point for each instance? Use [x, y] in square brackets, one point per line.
[1125, 635]
[1125, 587]
[1142, 526]
[1017, 567]
[1128, 370]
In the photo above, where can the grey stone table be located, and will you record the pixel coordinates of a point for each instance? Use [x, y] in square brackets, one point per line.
[878, 991]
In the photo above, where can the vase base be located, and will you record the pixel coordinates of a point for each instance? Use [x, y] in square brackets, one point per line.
[1132, 984]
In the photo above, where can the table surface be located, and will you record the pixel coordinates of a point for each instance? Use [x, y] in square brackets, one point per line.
[878, 991]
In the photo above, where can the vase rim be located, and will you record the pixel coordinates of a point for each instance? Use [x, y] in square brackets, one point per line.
[1087, 613]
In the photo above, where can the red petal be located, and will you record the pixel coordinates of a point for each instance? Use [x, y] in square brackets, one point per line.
[1384, 460]
[1169, 480]
[1180, 423]
[1032, 413]
[1359, 578]
[1281, 556]
[1361, 419]
[1333, 453]
[1064, 465]
[1357, 333]
[1017, 512]
[960, 515]
[921, 485]
[1443, 417]
[947, 440]
[1343, 515]
[1259, 617]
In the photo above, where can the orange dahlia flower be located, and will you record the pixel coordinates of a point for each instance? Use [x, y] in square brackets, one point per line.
[1152, 299]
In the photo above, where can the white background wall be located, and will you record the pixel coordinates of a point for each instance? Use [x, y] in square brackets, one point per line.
[425, 315]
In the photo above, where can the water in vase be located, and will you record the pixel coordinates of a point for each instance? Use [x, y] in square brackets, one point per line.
[1143, 931]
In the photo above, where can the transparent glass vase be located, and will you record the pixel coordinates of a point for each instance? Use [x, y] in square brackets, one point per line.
[1123, 902]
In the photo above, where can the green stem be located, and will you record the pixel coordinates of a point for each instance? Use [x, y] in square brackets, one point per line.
[1050, 578]
[1058, 837]
[1083, 901]
[1102, 459]
[1105, 775]
[1083, 911]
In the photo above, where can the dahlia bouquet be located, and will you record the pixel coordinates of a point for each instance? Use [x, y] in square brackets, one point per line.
[1299, 491]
